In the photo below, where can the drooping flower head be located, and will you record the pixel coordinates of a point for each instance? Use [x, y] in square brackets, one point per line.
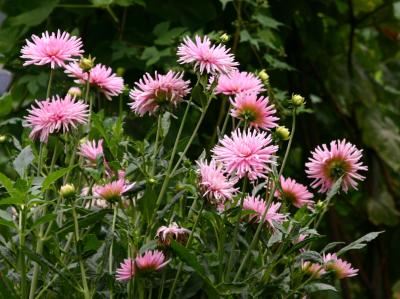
[54, 49]
[100, 76]
[313, 269]
[341, 268]
[112, 192]
[256, 111]
[214, 185]
[205, 56]
[151, 93]
[248, 153]
[126, 270]
[327, 165]
[238, 82]
[295, 193]
[55, 115]
[173, 231]
[91, 151]
[258, 206]
[151, 260]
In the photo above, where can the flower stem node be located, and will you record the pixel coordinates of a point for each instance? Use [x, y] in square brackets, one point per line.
[297, 100]
[224, 38]
[67, 191]
[282, 133]
[86, 64]
[264, 76]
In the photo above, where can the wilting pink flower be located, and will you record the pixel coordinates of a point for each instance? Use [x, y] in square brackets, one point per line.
[151, 260]
[91, 151]
[238, 82]
[313, 269]
[205, 56]
[256, 111]
[246, 153]
[173, 231]
[149, 93]
[126, 270]
[294, 192]
[113, 191]
[327, 165]
[54, 115]
[214, 185]
[100, 76]
[341, 268]
[54, 48]
[258, 205]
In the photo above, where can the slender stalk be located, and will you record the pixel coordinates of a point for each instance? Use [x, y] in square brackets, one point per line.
[110, 256]
[49, 84]
[22, 216]
[289, 143]
[89, 99]
[226, 121]
[153, 166]
[161, 289]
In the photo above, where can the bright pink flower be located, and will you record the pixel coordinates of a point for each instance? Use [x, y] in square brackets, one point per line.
[173, 231]
[313, 269]
[55, 114]
[205, 56]
[238, 82]
[256, 111]
[100, 76]
[341, 268]
[214, 185]
[91, 151]
[126, 270]
[151, 93]
[151, 260]
[55, 48]
[328, 165]
[113, 191]
[258, 205]
[295, 193]
[246, 153]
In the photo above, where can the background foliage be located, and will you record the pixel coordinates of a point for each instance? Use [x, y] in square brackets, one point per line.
[342, 55]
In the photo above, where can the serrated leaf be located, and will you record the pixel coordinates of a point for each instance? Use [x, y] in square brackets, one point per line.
[360, 243]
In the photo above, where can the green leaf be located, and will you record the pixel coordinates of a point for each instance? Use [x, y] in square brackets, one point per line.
[267, 21]
[396, 10]
[6, 182]
[35, 16]
[6, 101]
[23, 160]
[101, 3]
[83, 221]
[165, 123]
[54, 176]
[360, 243]
[147, 203]
[334, 190]
[382, 209]
[319, 287]
[44, 219]
[18, 199]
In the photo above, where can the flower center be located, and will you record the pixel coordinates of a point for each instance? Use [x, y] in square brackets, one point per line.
[336, 168]
[248, 114]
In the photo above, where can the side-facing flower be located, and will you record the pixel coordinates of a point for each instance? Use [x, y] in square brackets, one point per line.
[238, 82]
[91, 150]
[151, 260]
[327, 165]
[173, 231]
[258, 206]
[313, 269]
[112, 192]
[295, 193]
[126, 270]
[341, 268]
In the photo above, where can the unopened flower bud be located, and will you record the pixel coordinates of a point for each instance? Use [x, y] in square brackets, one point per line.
[3, 138]
[67, 190]
[264, 76]
[297, 100]
[120, 71]
[83, 140]
[75, 91]
[152, 181]
[224, 38]
[86, 64]
[319, 205]
[282, 132]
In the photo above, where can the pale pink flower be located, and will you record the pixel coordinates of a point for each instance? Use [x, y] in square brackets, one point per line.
[113, 191]
[54, 49]
[151, 93]
[151, 260]
[126, 270]
[248, 153]
[327, 165]
[313, 269]
[238, 82]
[341, 268]
[214, 185]
[256, 111]
[91, 151]
[205, 56]
[173, 231]
[295, 193]
[100, 76]
[55, 115]
[258, 206]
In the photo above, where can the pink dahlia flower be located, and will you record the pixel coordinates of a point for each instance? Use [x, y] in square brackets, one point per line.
[294, 192]
[258, 206]
[327, 165]
[173, 231]
[126, 270]
[313, 269]
[256, 111]
[246, 153]
[91, 151]
[54, 115]
[238, 82]
[150, 93]
[100, 76]
[151, 260]
[205, 56]
[112, 192]
[214, 185]
[54, 49]
[341, 268]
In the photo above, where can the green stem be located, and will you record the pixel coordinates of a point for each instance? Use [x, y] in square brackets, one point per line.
[22, 216]
[49, 84]
[226, 121]
[153, 166]
[161, 289]
[289, 143]
[110, 256]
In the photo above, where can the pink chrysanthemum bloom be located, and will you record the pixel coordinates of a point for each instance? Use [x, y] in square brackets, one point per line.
[151, 93]
[54, 115]
[313, 269]
[126, 270]
[112, 192]
[91, 151]
[341, 268]
[214, 185]
[205, 56]
[173, 231]
[246, 153]
[327, 165]
[258, 205]
[238, 82]
[100, 76]
[256, 111]
[151, 261]
[54, 49]
[295, 193]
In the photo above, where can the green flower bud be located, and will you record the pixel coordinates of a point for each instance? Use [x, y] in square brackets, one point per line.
[282, 132]
[120, 71]
[67, 190]
[264, 76]
[224, 38]
[297, 100]
[3, 138]
[86, 64]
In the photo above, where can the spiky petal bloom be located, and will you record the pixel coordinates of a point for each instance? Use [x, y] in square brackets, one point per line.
[247, 153]
[150, 93]
[173, 231]
[256, 111]
[126, 270]
[151, 260]
[55, 115]
[313, 269]
[54, 49]
[295, 193]
[341, 268]
[100, 76]
[205, 56]
[91, 151]
[112, 192]
[258, 206]
[341, 159]
[238, 82]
